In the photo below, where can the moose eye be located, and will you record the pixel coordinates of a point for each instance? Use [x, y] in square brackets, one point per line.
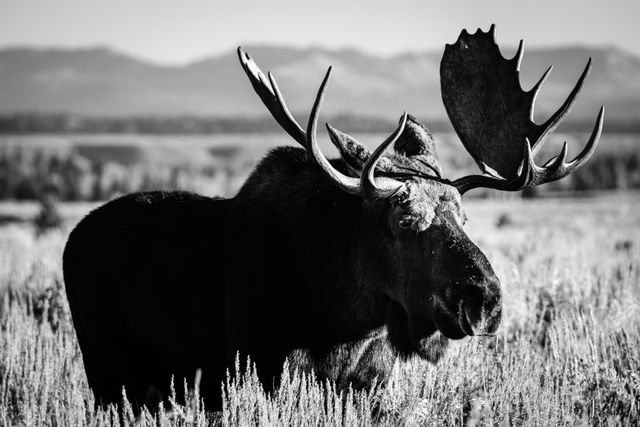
[405, 222]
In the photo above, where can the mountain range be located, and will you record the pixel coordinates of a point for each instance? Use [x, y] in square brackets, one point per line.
[105, 82]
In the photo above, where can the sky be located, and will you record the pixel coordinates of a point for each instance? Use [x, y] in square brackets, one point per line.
[178, 31]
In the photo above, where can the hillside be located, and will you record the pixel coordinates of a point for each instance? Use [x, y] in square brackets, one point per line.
[100, 81]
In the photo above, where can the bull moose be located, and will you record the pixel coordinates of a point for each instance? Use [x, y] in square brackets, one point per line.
[342, 266]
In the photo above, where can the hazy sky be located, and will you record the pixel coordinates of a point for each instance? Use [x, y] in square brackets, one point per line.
[176, 31]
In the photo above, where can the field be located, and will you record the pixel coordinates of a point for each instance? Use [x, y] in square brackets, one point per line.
[567, 352]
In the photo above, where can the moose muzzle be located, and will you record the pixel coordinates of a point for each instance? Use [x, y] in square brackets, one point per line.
[462, 296]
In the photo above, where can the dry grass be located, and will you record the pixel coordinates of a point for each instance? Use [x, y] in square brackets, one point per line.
[567, 353]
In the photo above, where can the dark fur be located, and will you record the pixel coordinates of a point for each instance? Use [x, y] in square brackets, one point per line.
[162, 284]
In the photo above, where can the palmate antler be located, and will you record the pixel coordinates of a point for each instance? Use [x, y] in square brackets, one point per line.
[367, 186]
[493, 116]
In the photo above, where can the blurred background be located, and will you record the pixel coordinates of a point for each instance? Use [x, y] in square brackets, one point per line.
[102, 98]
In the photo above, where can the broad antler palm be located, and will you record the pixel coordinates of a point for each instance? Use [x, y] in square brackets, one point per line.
[493, 116]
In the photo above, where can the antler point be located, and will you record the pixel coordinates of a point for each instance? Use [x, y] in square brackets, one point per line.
[600, 119]
[242, 54]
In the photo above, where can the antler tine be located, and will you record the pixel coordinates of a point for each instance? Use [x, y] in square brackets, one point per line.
[517, 58]
[470, 182]
[382, 187]
[346, 183]
[298, 134]
[558, 160]
[270, 94]
[536, 88]
[531, 175]
[557, 168]
[591, 144]
[553, 121]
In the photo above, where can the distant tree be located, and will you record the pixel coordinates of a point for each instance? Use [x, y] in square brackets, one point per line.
[49, 216]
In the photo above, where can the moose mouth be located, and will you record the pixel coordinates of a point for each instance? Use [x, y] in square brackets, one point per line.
[427, 336]
[453, 323]
[426, 340]
[463, 320]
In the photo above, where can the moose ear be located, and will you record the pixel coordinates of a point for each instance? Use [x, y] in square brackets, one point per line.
[353, 153]
[417, 144]
[415, 140]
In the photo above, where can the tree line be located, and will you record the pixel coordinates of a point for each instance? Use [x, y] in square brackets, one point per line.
[71, 177]
[30, 175]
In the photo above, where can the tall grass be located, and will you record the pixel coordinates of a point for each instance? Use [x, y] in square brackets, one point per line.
[567, 353]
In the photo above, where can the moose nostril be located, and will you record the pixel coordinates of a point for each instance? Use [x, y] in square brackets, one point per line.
[485, 319]
[480, 310]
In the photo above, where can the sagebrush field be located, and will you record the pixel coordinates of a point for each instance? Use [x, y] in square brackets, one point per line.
[567, 352]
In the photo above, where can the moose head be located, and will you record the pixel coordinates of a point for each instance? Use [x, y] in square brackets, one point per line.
[411, 245]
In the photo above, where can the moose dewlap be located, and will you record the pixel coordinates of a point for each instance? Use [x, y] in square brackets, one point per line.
[340, 265]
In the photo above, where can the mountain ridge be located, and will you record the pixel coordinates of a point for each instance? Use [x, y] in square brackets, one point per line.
[100, 80]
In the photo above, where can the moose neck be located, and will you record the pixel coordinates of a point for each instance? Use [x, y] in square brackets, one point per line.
[316, 243]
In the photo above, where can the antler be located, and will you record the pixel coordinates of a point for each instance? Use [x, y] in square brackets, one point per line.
[366, 186]
[493, 116]
[270, 94]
